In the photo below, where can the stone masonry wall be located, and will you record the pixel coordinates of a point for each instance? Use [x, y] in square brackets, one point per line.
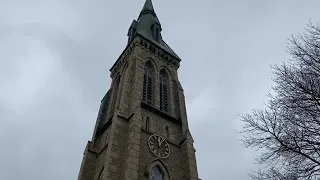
[122, 152]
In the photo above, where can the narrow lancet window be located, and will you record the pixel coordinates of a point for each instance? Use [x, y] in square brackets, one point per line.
[115, 93]
[147, 124]
[155, 31]
[167, 132]
[157, 34]
[148, 83]
[163, 92]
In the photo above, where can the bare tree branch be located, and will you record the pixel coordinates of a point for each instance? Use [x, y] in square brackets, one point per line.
[288, 130]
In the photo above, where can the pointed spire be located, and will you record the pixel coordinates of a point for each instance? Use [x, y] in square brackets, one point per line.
[148, 26]
[148, 8]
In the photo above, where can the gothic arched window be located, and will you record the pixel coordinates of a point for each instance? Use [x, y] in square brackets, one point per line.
[167, 132]
[156, 174]
[148, 83]
[163, 91]
[115, 93]
[147, 124]
[155, 31]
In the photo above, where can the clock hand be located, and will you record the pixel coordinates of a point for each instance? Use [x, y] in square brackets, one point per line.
[158, 141]
[161, 142]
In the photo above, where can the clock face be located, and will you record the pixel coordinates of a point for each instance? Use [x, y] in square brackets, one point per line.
[159, 146]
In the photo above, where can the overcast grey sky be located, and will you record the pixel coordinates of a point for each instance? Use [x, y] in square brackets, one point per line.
[55, 57]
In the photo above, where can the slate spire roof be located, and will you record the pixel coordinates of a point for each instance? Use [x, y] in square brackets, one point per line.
[145, 25]
[148, 7]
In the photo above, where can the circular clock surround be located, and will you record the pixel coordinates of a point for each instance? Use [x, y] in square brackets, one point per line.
[159, 146]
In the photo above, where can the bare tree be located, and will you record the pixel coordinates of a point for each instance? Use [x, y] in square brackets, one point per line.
[288, 130]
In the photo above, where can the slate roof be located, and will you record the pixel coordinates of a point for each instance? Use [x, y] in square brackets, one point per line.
[148, 6]
[146, 19]
[142, 27]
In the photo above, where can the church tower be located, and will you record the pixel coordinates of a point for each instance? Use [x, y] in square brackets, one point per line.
[142, 130]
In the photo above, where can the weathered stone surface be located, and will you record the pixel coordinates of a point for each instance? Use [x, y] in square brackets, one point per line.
[121, 150]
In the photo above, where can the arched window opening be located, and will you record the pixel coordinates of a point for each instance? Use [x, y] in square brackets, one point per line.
[115, 93]
[163, 92]
[155, 31]
[167, 132]
[102, 113]
[147, 83]
[157, 174]
[157, 34]
[147, 124]
[152, 30]
[104, 108]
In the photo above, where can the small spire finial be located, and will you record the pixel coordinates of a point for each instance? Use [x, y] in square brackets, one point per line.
[148, 7]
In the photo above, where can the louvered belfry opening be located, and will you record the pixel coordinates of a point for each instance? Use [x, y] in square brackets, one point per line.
[163, 91]
[148, 83]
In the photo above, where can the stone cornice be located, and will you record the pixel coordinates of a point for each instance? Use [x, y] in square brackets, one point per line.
[104, 127]
[123, 57]
[160, 113]
[154, 49]
[158, 52]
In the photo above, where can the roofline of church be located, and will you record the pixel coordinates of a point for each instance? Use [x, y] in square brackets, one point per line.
[146, 39]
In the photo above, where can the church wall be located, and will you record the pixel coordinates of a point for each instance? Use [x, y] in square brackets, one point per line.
[88, 163]
[116, 159]
[174, 163]
[127, 155]
[101, 156]
[143, 54]
[100, 163]
[116, 151]
[157, 125]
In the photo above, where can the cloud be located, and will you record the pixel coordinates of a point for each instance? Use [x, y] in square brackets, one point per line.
[55, 57]
[200, 106]
[30, 72]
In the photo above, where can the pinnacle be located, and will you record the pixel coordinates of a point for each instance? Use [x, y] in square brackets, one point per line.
[147, 6]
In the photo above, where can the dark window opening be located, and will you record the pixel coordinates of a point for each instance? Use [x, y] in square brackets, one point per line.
[115, 94]
[147, 124]
[167, 132]
[148, 83]
[132, 32]
[157, 174]
[163, 92]
[155, 31]
[152, 30]
[157, 34]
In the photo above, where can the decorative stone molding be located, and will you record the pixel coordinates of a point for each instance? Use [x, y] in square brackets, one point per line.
[159, 53]
[122, 59]
[160, 113]
[162, 167]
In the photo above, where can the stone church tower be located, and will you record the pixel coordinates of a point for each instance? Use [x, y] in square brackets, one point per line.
[142, 130]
